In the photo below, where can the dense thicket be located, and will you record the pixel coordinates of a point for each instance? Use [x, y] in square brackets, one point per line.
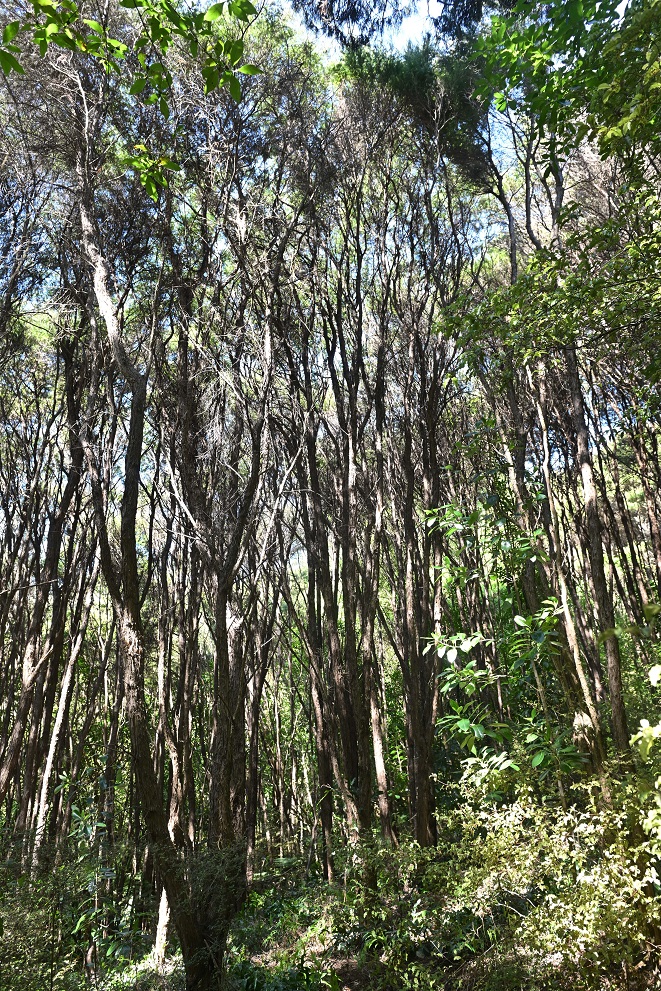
[329, 496]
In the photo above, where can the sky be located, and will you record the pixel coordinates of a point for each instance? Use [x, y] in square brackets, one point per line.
[414, 28]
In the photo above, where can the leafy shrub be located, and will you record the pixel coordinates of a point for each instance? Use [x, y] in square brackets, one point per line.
[246, 976]
[518, 895]
[37, 949]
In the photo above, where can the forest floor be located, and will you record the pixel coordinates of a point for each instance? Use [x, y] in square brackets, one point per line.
[297, 934]
[518, 895]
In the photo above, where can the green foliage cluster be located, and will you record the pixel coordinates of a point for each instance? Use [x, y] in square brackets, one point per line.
[437, 90]
[246, 976]
[581, 68]
[84, 900]
[63, 25]
[214, 36]
[54, 908]
[517, 894]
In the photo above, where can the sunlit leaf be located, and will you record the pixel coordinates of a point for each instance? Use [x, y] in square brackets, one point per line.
[214, 12]
[10, 32]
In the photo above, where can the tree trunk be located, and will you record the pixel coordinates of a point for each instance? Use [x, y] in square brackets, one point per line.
[603, 598]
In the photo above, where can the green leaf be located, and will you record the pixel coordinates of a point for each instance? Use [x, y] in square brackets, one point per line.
[235, 53]
[8, 63]
[500, 101]
[10, 32]
[150, 186]
[214, 12]
[138, 86]
[211, 79]
[234, 87]
[243, 10]
[539, 758]
[520, 621]
[249, 70]
[65, 40]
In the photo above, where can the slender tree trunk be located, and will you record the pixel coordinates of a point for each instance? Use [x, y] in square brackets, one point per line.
[597, 570]
[66, 689]
[596, 740]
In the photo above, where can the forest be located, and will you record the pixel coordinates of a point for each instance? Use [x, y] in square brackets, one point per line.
[330, 496]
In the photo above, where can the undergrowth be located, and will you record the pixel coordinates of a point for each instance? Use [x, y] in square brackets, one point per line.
[518, 894]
